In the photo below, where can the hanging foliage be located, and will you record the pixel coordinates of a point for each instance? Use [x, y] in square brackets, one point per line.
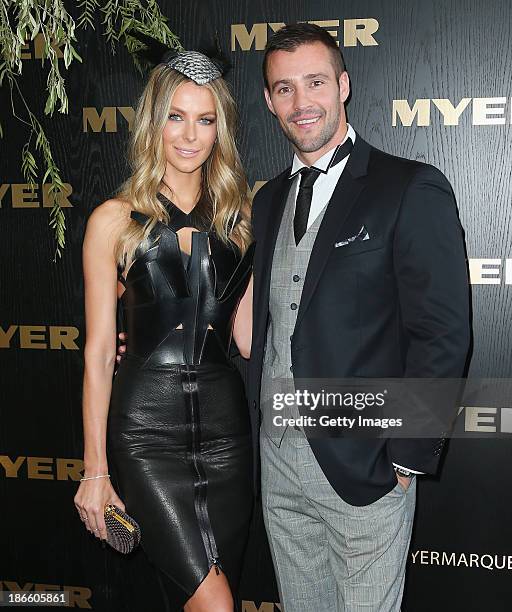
[23, 20]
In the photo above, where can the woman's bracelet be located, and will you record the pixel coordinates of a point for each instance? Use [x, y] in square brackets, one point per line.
[92, 477]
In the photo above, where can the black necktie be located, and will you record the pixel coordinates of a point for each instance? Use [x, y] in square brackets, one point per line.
[307, 179]
[300, 221]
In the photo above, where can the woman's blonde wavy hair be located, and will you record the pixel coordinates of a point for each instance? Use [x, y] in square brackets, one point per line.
[224, 185]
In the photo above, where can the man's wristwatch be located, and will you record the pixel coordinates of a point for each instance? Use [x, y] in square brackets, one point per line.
[403, 472]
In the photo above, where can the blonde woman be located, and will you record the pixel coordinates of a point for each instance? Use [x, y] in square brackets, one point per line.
[172, 427]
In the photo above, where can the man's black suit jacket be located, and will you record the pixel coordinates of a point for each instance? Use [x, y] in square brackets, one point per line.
[395, 305]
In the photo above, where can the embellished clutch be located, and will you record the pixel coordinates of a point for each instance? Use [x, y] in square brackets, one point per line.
[123, 532]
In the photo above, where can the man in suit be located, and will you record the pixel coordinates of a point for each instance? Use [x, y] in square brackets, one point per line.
[359, 272]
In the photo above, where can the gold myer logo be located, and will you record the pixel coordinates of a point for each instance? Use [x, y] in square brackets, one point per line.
[79, 596]
[484, 111]
[39, 337]
[255, 188]
[490, 271]
[107, 119]
[352, 31]
[22, 195]
[33, 49]
[41, 468]
[265, 606]
[487, 419]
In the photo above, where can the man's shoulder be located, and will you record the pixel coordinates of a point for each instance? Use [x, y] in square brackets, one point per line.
[402, 169]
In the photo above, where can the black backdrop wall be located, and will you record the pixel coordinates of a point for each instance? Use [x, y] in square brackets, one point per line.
[430, 81]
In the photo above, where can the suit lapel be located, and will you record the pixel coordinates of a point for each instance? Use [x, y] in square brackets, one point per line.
[343, 199]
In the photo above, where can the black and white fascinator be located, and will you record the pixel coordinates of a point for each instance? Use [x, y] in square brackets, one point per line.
[202, 66]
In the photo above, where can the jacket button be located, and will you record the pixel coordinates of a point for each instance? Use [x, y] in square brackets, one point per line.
[293, 306]
[296, 278]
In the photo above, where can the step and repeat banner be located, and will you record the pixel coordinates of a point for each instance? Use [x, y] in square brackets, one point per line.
[431, 81]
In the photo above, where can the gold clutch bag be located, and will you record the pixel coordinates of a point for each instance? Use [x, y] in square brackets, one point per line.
[123, 532]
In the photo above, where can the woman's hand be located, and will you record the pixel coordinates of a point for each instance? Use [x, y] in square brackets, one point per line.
[123, 336]
[90, 501]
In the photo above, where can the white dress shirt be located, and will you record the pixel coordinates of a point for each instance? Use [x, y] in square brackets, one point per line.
[323, 189]
[324, 185]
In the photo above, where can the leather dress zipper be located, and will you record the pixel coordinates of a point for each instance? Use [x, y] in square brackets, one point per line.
[201, 482]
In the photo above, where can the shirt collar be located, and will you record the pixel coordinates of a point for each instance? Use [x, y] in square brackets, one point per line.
[324, 163]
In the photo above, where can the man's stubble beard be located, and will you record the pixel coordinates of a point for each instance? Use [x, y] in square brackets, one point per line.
[327, 133]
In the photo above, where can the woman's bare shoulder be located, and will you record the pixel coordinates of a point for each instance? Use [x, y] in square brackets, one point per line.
[111, 210]
[108, 220]
[113, 214]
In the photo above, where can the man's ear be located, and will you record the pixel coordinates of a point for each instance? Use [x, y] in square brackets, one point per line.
[344, 82]
[269, 101]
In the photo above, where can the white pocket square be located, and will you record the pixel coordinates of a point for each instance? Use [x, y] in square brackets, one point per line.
[362, 234]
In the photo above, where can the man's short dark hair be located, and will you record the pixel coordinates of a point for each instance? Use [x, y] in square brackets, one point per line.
[294, 35]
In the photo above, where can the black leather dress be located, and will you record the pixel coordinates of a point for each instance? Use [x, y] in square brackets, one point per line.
[179, 442]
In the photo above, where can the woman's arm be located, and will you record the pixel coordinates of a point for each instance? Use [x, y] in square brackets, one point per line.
[100, 284]
[242, 328]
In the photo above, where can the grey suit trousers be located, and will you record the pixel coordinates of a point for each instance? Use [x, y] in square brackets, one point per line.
[329, 555]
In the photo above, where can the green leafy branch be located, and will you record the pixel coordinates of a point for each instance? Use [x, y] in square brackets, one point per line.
[124, 18]
[30, 169]
[50, 19]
